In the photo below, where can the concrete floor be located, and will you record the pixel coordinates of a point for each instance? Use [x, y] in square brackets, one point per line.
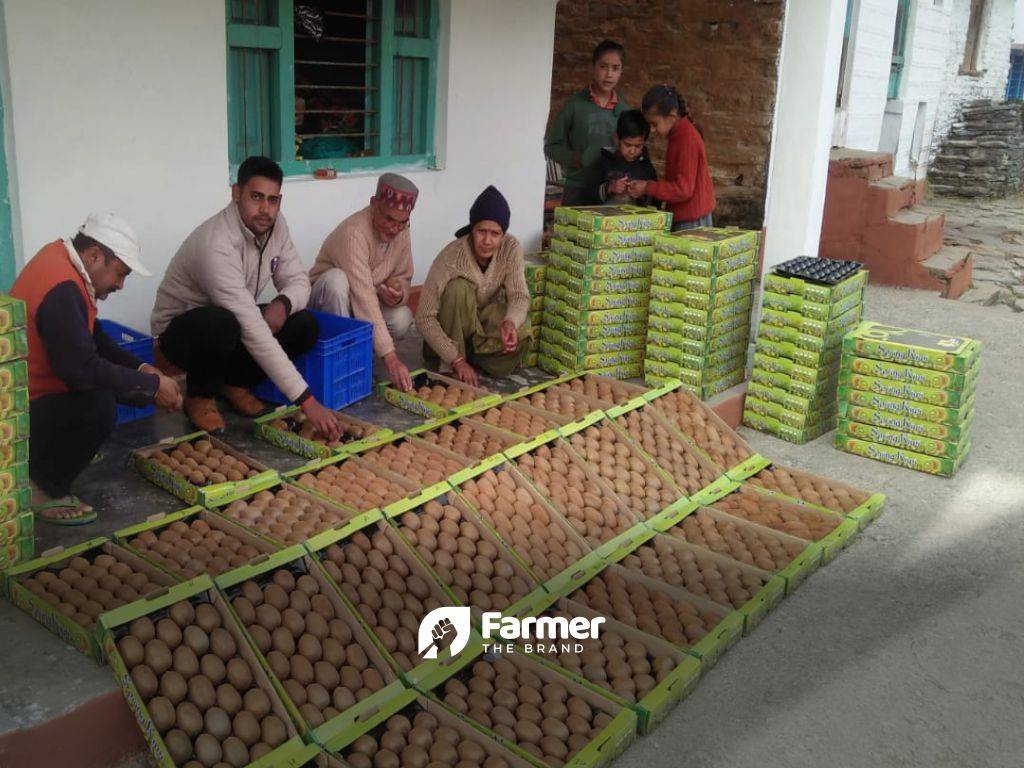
[903, 652]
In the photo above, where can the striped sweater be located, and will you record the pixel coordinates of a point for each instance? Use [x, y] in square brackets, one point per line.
[457, 260]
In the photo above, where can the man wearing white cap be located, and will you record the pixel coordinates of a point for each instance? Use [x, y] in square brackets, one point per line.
[76, 373]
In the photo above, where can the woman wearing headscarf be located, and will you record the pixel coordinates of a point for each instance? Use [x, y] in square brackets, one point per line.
[473, 309]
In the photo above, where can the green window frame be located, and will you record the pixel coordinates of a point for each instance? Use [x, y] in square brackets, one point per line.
[401, 85]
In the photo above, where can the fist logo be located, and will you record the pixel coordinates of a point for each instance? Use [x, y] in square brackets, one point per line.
[444, 628]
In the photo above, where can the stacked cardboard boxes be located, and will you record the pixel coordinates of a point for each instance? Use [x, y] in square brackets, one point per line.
[907, 397]
[536, 265]
[792, 391]
[598, 289]
[16, 533]
[701, 292]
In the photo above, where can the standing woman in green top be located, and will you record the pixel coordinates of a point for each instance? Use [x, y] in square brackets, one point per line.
[587, 121]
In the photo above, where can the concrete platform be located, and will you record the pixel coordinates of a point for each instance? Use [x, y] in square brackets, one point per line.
[903, 652]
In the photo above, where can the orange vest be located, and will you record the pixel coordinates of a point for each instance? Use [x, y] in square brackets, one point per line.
[48, 268]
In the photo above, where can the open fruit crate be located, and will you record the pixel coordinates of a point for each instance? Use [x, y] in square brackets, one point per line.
[464, 554]
[693, 472]
[673, 673]
[576, 491]
[288, 513]
[193, 541]
[304, 635]
[385, 585]
[668, 560]
[435, 396]
[831, 529]
[593, 733]
[383, 733]
[535, 532]
[707, 632]
[138, 639]
[813, 490]
[73, 612]
[792, 558]
[700, 424]
[366, 481]
[640, 483]
[212, 490]
[467, 437]
[520, 418]
[286, 427]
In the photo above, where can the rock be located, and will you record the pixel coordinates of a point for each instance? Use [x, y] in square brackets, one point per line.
[986, 294]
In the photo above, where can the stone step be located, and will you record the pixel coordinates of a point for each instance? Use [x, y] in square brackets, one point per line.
[889, 195]
[952, 266]
[860, 163]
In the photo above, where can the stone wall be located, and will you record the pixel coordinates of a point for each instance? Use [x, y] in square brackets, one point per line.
[984, 153]
[723, 57]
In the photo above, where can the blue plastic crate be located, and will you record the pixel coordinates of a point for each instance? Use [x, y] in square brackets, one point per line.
[140, 345]
[339, 368]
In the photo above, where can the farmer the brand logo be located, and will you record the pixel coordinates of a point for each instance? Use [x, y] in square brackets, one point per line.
[450, 627]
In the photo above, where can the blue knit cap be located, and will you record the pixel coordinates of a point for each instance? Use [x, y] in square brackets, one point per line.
[490, 205]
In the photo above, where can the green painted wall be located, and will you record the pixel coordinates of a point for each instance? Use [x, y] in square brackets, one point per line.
[7, 269]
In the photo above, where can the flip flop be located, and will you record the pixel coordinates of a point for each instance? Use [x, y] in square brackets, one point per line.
[74, 503]
[98, 457]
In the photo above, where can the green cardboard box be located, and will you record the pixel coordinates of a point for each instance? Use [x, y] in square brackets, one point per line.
[18, 527]
[773, 426]
[909, 408]
[12, 313]
[14, 428]
[797, 419]
[706, 301]
[826, 358]
[795, 371]
[15, 552]
[13, 345]
[901, 423]
[640, 266]
[13, 453]
[598, 285]
[904, 440]
[14, 477]
[606, 331]
[932, 465]
[13, 375]
[788, 384]
[904, 391]
[720, 282]
[833, 339]
[909, 347]
[911, 374]
[695, 316]
[268, 428]
[689, 346]
[708, 243]
[694, 265]
[816, 292]
[613, 218]
[587, 346]
[18, 500]
[791, 402]
[597, 301]
[810, 326]
[589, 317]
[13, 401]
[588, 362]
[789, 303]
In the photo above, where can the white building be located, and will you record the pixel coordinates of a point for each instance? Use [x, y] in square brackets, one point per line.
[124, 105]
[909, 66]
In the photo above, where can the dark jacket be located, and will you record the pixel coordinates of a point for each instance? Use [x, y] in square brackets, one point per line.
[609, 166]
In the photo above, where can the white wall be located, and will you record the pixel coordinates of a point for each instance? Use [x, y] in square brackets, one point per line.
[120, 105]
[1018, 23]
[993, 62]
[869, 57]
[812, 42]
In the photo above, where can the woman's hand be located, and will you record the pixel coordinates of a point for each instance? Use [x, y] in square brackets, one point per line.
[509, 337]
[618, 186]
[464, 372]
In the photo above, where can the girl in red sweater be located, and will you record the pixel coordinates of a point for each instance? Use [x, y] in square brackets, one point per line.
[687, 187]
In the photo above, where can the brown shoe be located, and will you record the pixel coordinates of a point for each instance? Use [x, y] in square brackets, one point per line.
[243, 401]
[203, 413]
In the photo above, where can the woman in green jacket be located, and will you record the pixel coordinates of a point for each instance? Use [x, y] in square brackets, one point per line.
[586, 122]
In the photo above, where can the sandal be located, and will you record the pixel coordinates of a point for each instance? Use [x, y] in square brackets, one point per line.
[87, 515]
